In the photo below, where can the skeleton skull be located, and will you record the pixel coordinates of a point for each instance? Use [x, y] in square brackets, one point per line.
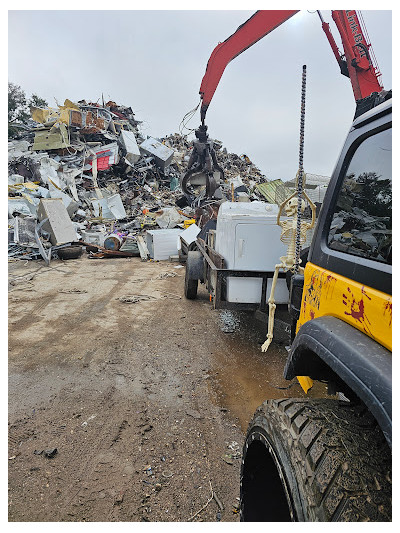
[291, 207]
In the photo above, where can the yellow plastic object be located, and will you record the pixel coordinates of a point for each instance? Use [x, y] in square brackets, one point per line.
[329, 294]
[189, 222]
[305, 382]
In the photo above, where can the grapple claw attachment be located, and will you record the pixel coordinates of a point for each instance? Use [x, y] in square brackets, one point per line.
[203, 168]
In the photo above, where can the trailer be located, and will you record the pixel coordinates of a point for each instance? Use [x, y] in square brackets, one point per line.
[207, 266]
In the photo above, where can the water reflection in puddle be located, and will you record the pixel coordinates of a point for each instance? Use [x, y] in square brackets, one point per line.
[243, 377]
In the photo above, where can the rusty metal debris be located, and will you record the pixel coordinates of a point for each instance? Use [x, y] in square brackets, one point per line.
[135, 298]
[110, 184]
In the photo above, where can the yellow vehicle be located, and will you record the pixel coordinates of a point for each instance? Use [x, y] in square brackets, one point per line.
[330, 459]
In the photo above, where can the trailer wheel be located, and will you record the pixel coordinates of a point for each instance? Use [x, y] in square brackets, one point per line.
[315, 461]
[190, 288]
[194, 272]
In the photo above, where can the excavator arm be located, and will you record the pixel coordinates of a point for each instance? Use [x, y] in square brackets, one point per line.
[251, 31]
[356, 62]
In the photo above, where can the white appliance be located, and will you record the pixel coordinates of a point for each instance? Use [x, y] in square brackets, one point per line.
[248, 238]
[162, 243]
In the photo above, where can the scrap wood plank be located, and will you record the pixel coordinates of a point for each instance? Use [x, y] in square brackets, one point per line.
[143, 250]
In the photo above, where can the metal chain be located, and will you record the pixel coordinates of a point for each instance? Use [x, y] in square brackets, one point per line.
[300, 174]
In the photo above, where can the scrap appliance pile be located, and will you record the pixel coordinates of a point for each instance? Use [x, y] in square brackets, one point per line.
[84, 174]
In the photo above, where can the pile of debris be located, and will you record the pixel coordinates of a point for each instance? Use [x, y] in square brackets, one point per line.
[83, 173]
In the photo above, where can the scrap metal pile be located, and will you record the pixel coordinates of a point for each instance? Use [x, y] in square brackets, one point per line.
[84, 173]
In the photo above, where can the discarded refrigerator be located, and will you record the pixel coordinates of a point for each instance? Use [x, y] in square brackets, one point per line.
[248, 238]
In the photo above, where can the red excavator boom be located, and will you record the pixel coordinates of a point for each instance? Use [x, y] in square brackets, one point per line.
[357, 62]
[251, 31]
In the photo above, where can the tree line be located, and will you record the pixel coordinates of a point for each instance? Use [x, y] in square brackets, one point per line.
[18, 108]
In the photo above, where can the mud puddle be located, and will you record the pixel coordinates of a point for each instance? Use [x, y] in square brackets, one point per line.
[243, 377]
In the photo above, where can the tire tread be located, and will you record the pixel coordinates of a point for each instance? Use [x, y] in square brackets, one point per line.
[340, 457]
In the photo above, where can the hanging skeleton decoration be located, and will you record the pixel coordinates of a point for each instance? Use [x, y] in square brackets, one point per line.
[294, 237]
[294, 229]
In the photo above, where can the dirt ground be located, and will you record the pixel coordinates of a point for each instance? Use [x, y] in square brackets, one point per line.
[128, 402]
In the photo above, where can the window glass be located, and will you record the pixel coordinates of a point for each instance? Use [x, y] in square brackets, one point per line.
[362, 221]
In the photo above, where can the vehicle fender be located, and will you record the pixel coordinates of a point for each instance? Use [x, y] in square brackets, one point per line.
[326, 347]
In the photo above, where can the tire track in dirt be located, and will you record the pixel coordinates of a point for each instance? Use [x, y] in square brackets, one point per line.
[156, 440]
[90, 458]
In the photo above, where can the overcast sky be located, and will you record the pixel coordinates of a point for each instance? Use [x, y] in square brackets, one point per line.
[154, 62]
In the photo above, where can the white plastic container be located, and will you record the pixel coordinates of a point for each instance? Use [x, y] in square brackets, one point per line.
[248, 238]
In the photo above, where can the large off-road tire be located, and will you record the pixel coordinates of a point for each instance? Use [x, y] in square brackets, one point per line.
[315, 461]
[194, 273]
